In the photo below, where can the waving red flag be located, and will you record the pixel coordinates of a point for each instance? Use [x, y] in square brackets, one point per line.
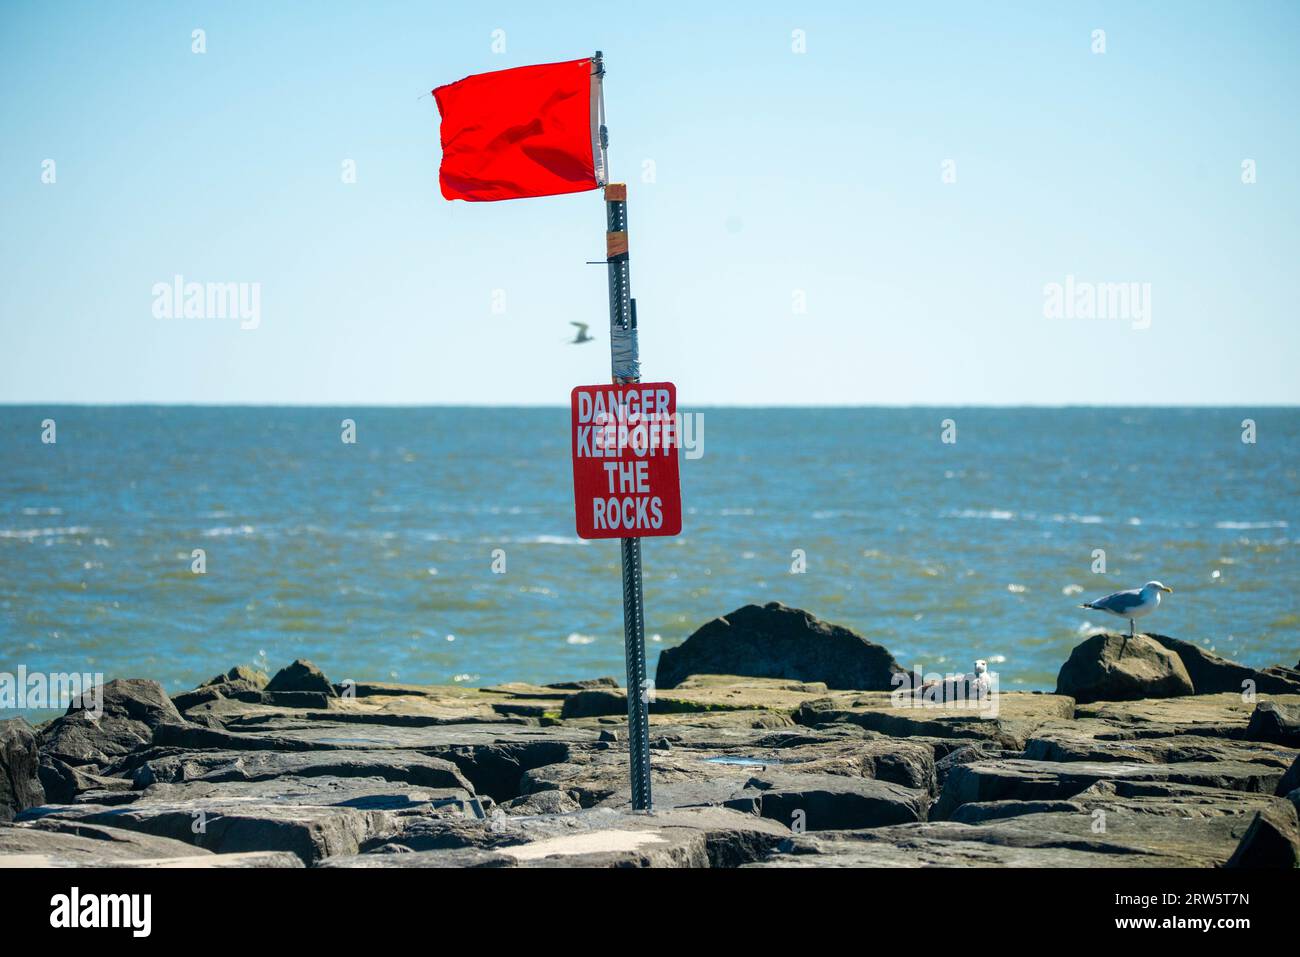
[529, 131]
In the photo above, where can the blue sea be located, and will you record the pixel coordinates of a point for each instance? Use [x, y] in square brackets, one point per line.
[375, 559]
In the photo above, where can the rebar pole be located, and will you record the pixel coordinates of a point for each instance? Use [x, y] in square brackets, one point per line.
[625, 368]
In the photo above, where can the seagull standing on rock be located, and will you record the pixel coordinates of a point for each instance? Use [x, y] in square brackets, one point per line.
[1131, 604]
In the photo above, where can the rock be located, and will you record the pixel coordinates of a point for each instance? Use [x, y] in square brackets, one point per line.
[698, 694]
[774, 641]
[111, 721]
[682, 837]
[77, 739]
[301, 675]
[276, 860]
[993, 810]
[1291, 780]
[1278, 679]
[192, 699]
[403, 767]
[1024, 780]
[937, 845]
[907, 763]
[600, 779]
[492, 756]
[89, 845]
[1090, 741]
[1212, 674]
[822, 802]
[1211, 715]
[585, 685]
[310, 817]
[704, 769]
[966, 755]
[595, 702]
[65, 844]
[404, 775]
[63, 782]
[1276, 723]
[1273, 841]
[438, 857]
[20, 783]
[134, 699]
[241, 676]
[295, 699]
[1017, 715]
[1110, 667]
[542, 802]
[1108, 825]
[714, 693]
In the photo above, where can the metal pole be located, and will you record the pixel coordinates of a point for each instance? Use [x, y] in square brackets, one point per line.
[625, 368]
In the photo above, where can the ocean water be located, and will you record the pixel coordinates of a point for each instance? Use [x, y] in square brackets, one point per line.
[375, 559]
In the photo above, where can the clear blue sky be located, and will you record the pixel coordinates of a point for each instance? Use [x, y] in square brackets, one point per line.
[776, 172]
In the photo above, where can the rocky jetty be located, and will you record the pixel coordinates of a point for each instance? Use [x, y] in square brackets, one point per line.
[1161, 759]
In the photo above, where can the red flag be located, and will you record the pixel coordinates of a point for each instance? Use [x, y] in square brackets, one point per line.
[530, 131]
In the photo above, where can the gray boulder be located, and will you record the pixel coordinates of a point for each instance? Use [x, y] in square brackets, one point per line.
[774, 641]
[1212, 674]
[109, 722]
[1275, 723]
[543, 802]
[1291, 780]
[238, 678]
[585, 684]
[240, 683]
[20, 785]
[594, 702]
[829, 802]
[693, 837]
[63, 782]
[1271, 841]
[132, 699]
[1024, 780]
[311, 817]
[401, 767]
[192, 699]
[1111, 667]
[301, 675]
[978, 813]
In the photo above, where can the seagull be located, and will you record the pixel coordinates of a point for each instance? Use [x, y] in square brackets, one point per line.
[974, 685]
[581, 335]
[1131, 604]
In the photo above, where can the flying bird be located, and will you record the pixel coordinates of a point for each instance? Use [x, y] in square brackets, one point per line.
[581, 335]
[1131, 604]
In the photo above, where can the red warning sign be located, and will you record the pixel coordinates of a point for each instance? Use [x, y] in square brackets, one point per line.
[625, 476]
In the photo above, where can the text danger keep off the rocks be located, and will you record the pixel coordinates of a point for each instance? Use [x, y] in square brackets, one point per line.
[625, 472]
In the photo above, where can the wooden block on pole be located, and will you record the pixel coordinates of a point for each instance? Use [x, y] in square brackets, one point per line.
[616, 193]
[615, 244]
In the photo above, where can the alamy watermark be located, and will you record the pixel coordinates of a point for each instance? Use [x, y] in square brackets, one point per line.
[179, 299]
[1076, 299]
[37, 690]
[976, 691]
[641, 428]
